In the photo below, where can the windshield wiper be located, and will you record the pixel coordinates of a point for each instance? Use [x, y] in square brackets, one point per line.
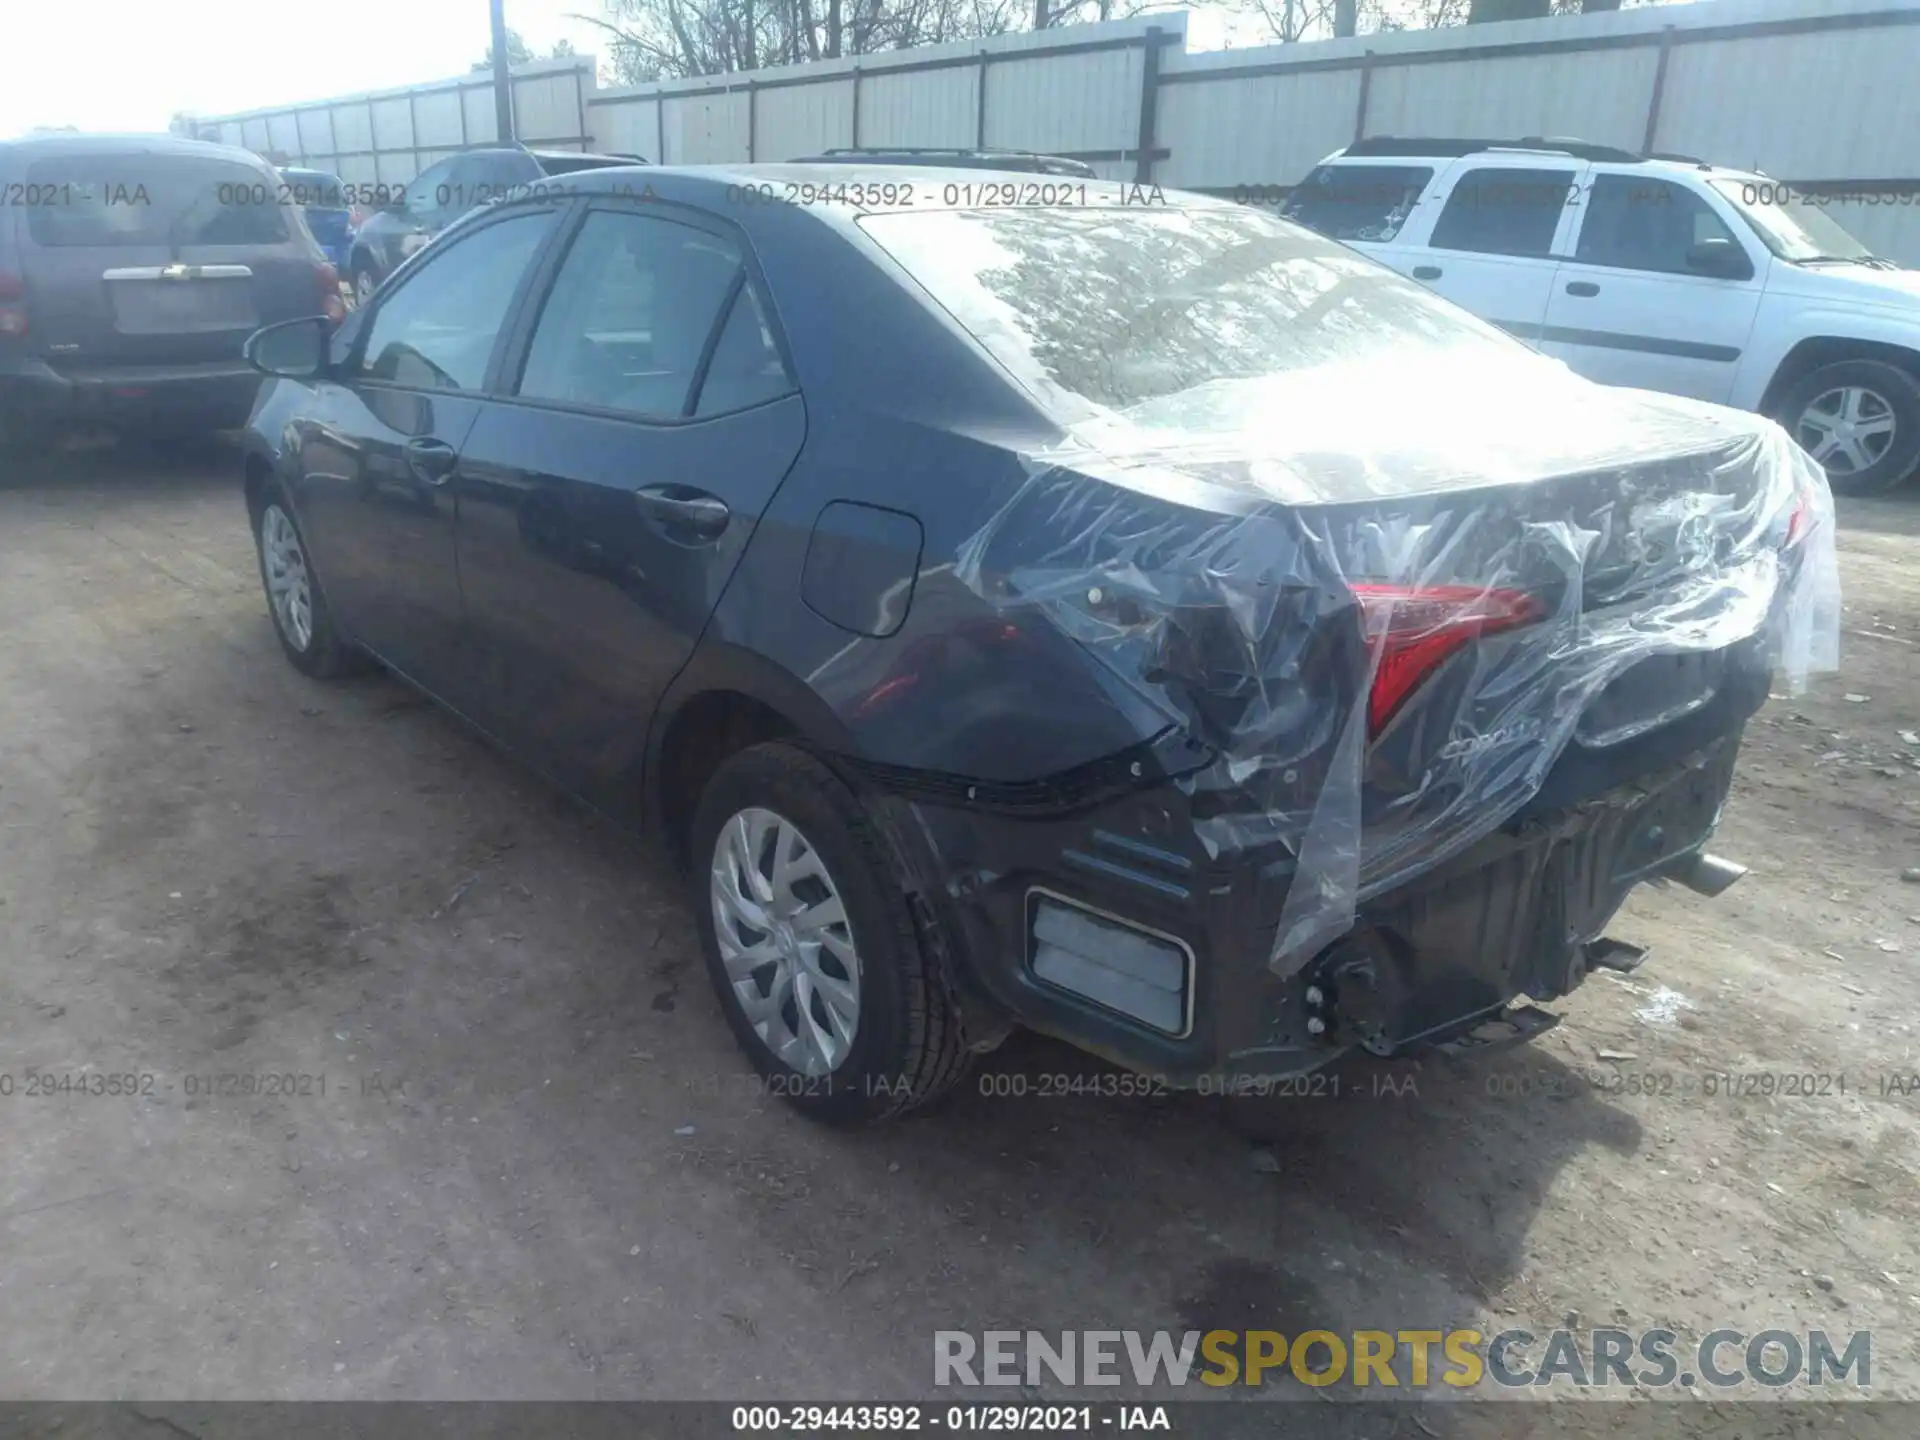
[1872, 262]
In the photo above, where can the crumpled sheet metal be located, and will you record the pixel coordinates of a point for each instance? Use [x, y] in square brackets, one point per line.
[1213, 573]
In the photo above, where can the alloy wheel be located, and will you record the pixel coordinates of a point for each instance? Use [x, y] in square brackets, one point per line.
[785, 942]
[1847, 429]
[363, 287]
[289, 591]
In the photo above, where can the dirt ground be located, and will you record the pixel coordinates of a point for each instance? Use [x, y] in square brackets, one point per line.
[538, 1167]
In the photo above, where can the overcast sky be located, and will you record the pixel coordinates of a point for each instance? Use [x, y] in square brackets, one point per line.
[130, 64]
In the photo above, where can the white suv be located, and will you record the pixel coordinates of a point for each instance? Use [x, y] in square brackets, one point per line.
[1667, 274]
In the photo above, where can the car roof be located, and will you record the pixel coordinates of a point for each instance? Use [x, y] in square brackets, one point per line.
[856, 189]
[1390, 148]
[35, 147]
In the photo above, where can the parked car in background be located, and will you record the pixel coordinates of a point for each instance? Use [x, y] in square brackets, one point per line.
[441, 194]
[1666, 273]
[1024, 162]
[323, 200]
[132, 270]
[1164, 629]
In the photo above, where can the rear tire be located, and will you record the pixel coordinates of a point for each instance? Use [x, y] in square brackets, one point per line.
[365, 283]
[1860, 420]
[776, 809]
[301, 620]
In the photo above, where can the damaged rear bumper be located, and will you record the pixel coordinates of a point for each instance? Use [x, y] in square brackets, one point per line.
[1110, 927]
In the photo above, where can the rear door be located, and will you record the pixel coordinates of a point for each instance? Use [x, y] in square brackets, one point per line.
[604, 505]
[380, 452]
[161, 258]
[1627, 309]
[1490, 244]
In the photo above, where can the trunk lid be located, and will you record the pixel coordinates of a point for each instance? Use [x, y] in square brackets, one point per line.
[1571, 569]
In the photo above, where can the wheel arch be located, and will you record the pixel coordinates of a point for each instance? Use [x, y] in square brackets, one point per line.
[725, 700]
[1810, 354]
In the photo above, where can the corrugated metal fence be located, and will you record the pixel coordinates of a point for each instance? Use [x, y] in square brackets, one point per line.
[1819, 93]
[392, 135]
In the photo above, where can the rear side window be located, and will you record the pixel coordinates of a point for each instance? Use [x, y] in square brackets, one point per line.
[745, 368]
[1639, 224]
[154, 200]
[630, 316]
[1503, 211]
[1357, 202]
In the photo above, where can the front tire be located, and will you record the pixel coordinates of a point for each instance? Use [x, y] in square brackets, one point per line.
[299, 612]
[365, 283]
[1860, 421]
[810, 944]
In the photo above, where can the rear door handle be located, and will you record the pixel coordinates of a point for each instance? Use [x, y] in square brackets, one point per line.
[431, 460]
[683, 509]
[1582, 288]
[1426, 272]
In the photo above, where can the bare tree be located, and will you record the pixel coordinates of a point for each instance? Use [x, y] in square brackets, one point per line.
[652, 39]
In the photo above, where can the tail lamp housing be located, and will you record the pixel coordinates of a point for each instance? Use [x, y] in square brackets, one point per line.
[1418, 628]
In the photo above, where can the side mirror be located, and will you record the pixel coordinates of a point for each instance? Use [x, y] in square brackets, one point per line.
[295, 349]
[1720, 257]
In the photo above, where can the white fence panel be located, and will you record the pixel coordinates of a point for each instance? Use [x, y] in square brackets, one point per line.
[1813, 91]
[794, 120]
[706, 129]
[1075, 102]
[925, 107]
[1227, 133]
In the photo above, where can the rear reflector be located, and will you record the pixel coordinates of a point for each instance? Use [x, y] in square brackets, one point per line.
[1139, 973]
[13, 303]
[1419, 627]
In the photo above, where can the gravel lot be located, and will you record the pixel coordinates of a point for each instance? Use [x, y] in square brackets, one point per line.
[539, 1169]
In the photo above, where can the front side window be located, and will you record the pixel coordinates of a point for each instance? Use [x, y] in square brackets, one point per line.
[158, 200]
[1643, 224]
[1357, 202]
[630, 314]
[436, 331]
[1502, 211]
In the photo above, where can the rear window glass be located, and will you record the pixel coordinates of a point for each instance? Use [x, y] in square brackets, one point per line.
[1357, 202]
[153, 200]
[1156, 308]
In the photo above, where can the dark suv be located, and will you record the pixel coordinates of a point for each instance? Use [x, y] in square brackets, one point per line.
[132, 270]
[441, 194]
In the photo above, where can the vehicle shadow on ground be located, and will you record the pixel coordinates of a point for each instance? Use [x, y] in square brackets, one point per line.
[97, 461]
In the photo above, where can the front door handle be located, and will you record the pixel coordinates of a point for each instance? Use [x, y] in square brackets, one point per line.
[1583, 288]
[682, 509]
[431, 460]
[1426, 272]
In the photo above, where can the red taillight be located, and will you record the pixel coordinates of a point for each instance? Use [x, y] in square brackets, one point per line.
[13, 303]
[331, 305]
[1800, 521]
[1419, 626]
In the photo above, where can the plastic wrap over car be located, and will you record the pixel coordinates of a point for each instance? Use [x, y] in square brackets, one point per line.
[1389, 587]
